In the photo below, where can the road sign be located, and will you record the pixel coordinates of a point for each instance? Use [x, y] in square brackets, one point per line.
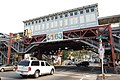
[101, 52]
[100, 37]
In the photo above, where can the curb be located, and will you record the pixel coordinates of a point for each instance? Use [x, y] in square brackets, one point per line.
[103, 76]
[5, 78]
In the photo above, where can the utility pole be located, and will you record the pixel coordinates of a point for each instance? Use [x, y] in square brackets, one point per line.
[9, 48]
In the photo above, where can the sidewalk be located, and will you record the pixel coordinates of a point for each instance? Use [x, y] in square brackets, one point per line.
[109, 77]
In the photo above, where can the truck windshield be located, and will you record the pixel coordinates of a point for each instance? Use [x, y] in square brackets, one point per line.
[24, 63]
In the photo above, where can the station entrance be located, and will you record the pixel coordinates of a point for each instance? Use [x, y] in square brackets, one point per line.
[76, 40]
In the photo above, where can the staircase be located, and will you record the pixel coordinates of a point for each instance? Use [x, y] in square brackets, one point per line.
[3, 57]
[90, 43]
[46, 58]
[117, 42]
[95, 44]
[19, 47]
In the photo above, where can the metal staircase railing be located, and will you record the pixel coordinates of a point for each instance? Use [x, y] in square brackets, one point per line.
[4, 58]
[117, 42]
[95, 44]
[117, 47]
[19, 48]
[46, 58]
[12, 46]
[90, 43]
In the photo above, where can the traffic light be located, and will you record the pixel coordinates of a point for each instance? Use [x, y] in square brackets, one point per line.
[30, 33]
[25, 32]
[18, 36]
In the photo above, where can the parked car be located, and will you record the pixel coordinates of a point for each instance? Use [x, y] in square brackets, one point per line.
[7, 67]
[34, 67]
[84, 63]
[69, 62]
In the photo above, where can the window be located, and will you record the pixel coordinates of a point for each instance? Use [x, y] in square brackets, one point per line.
[56, 17]
[29, 23]
[32, 22]
[71, 21]
[71, 14]
[61, 23]
[47, 25]
[51, 24]
[43, 26]
[47, 19]
[35, 63]
[55, 23]
[92, 10]
[82, 19]
[47, 64]
[52, 18]
[26, 24]
[81, 12]
[65, 22]
[75, 13]
[87, 10]
[24, 63]
[36, 22]
[61, 16]
[39, 26]
[39, 21]
[66, 15]
[42, 64]
[43, 20]
[75, 20]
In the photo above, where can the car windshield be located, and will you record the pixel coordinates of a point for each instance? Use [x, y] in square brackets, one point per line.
[24, 63]
[4, 65]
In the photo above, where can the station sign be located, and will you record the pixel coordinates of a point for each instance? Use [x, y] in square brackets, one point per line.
[54, 36]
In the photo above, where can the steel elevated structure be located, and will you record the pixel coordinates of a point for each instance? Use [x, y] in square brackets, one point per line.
[72, 29]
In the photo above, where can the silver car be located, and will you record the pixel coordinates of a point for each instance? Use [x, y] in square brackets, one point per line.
[7, 67]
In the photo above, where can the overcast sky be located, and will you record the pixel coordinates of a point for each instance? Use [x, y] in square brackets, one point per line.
[14, 12]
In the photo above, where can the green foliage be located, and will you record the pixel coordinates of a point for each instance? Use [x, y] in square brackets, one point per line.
[67, 52]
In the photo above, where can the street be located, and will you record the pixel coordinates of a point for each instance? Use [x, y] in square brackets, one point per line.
[57, 76]
[63, 73]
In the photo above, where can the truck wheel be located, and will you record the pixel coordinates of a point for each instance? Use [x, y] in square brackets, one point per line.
[2, 70]
[36, 75]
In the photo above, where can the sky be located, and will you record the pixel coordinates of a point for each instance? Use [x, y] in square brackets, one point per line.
[14, 12]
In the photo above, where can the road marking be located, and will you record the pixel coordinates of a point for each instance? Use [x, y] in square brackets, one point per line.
[87, 75]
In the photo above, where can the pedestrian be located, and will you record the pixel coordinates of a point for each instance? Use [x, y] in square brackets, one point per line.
[117, 65]
[116, 62]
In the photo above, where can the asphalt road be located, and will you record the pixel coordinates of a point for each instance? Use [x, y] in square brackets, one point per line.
[59, 75]
[62, 73]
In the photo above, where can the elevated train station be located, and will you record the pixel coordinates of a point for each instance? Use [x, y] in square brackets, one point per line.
[71, 29]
